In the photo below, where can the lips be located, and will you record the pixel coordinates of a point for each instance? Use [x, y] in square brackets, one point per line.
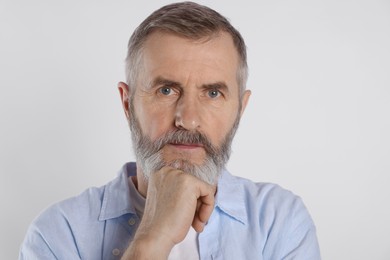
[187, 145]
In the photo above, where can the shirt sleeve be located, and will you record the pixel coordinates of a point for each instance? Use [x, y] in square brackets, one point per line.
[49, 237]
[35, 247]
[300, 240]
[290, 230]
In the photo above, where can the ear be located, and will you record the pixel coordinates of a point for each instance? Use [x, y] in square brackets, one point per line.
[244, 100]
[124, 92]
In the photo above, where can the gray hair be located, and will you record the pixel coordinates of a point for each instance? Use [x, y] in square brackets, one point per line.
[189, 20]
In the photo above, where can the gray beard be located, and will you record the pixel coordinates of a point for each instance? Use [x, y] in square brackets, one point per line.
[149, 156]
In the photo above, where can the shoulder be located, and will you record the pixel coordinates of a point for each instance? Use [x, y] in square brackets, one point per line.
[75, 228]
[273, 202]
[88, 203]
[279, 215]
[261, 195]
[56, 231]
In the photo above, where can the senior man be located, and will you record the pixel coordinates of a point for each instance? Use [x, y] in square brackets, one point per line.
[184, 96]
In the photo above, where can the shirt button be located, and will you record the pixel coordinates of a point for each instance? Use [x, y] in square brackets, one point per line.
[116, 252]
[131, 221]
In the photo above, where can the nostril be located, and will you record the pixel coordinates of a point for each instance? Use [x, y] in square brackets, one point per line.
[187, 123]
[188, 113]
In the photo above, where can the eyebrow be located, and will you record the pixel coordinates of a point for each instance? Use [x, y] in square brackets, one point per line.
[217, 85]
[161, 81]
[165, 82]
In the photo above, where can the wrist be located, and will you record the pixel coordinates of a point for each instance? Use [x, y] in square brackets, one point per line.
[148, 246]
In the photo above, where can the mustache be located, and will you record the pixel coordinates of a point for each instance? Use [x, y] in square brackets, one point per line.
[184, 136]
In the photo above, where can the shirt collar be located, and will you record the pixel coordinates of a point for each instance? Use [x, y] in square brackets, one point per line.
[230, 197]
[116, 199]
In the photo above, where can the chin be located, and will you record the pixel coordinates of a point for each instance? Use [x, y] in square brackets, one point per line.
[182, 158]
[182, 164]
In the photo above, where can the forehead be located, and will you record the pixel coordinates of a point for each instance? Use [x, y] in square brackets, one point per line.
[205, 60]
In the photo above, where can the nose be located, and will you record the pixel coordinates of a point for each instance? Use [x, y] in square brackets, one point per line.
[188, 113]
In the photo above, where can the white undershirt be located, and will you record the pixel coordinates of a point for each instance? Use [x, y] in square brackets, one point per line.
[187, 249]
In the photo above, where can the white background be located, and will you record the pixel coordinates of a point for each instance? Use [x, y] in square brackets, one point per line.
[317, 123]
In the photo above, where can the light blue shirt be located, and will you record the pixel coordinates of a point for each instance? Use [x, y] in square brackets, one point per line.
[250, 221]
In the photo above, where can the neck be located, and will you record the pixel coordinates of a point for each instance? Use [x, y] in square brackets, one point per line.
[140, 182]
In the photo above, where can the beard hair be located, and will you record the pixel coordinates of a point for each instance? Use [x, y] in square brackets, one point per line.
[149, 156]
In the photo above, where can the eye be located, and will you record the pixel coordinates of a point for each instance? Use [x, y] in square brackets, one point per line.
[213, 93]
[165, 91]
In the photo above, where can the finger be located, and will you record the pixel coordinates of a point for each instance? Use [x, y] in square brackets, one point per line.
[207, 200]
[198, 204]
[197, 224]
[204, 207]
[205, 210]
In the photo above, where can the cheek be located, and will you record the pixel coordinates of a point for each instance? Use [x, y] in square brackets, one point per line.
[155, 120]
[220, 122]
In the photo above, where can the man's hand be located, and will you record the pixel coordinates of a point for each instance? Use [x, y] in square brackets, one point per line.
[175, 201]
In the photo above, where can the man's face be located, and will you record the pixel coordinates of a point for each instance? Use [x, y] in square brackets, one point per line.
[186, 106]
